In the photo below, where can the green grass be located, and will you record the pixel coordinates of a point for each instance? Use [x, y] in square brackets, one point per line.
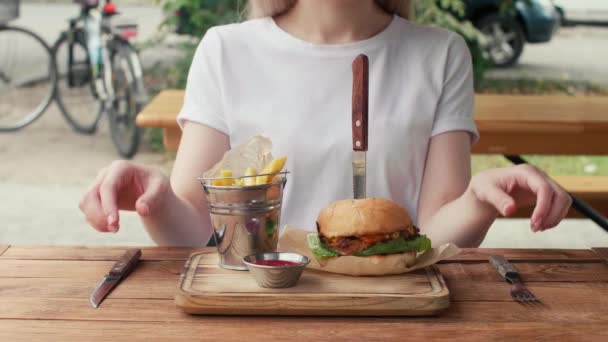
[153, 138]
[553, 165]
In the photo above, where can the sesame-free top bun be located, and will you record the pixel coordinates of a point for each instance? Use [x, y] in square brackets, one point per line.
[355, 217]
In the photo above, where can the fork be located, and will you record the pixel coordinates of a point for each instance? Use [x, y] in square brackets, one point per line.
[518, 292]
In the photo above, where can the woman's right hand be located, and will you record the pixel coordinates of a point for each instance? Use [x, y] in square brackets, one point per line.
[122, 186]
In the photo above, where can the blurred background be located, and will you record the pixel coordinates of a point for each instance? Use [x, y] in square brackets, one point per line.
[543, 47]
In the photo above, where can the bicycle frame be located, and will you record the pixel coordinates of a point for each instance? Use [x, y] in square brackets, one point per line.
[102, 74]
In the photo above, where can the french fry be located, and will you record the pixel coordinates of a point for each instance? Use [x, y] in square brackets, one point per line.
[224, 182]
[272, 168]
[227, 174]
[248, 181]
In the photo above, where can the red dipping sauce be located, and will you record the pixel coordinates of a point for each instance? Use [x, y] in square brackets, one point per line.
[275, 263]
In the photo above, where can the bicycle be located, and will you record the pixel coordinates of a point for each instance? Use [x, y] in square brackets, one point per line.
[92, 70]
[28, 77]
[98, 67]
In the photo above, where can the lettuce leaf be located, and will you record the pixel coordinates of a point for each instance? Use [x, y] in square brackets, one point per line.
[401, 245]
[318, 248]
[419, 244]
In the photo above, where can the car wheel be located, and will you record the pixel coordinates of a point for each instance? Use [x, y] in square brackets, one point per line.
[505, 39]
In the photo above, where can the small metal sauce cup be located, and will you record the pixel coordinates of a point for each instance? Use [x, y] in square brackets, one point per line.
[276, 276]
[245, 219]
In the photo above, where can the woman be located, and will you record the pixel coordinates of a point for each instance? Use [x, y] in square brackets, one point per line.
[287, 74]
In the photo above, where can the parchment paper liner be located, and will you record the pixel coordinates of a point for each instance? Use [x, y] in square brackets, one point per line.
[294, 240]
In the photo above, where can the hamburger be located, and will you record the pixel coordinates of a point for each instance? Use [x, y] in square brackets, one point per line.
[373, 228]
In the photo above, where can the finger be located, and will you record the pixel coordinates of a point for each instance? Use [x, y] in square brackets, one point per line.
[148, 201]
[503, 202]
[559, 207]
[108, 191]
[539, 185]
[98, 180]
[568, 206]
[93, 211]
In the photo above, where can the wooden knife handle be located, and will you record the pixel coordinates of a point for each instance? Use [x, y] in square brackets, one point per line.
[360, 102]
[503, 267]
[126, 263]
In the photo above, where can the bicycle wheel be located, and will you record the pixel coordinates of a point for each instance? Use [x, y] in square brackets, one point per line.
[75, 92]
[27, 77]
[127, 84]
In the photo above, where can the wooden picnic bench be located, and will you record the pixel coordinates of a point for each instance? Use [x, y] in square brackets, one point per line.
[44, 295]
[508, 125]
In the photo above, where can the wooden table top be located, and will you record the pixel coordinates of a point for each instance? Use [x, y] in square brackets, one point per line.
[508, 124]
[44, 296]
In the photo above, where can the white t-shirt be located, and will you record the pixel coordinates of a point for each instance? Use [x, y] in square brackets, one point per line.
[254, 78]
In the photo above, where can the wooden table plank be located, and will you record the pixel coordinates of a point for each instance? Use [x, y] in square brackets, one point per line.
[162, 110]
[536, 271]
[92, 253]
[282, 329]
[526, 254]
[542, 143]
[3, 249]
[84, 269]
[570, 292]
[130, 288]
[508, 124]
[581, 309]
[549, 112]
[602, 252]
[551, 271]
[493, 112]
[182, 253]
[164, 288]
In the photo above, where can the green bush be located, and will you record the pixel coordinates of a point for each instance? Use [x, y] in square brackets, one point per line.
[448, 14]
[196, 16]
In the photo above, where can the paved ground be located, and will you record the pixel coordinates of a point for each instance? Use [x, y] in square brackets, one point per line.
[45, 168]
[575, 53]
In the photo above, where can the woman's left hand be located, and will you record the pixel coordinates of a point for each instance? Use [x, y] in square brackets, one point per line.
[509, 188]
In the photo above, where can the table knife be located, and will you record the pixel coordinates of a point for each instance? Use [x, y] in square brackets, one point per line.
[119, 271]
[359, 124]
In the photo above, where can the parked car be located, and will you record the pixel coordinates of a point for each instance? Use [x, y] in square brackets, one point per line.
[582, 12]
[531, 21]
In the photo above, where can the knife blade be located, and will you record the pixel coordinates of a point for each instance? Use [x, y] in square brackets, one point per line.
[121, 269]
[359, 124]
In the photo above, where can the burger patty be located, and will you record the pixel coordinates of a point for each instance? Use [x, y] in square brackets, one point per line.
[349, 245]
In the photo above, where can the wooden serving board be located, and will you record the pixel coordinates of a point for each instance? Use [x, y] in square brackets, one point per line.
[205, 288]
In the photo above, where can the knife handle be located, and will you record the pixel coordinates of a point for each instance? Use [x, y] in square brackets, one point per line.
[360, 102]
[126, 263]
[503, 267]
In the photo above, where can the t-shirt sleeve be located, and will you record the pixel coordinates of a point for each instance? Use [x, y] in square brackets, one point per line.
[455, 106]
[203, 96]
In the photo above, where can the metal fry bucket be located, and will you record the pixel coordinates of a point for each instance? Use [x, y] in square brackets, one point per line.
[245, 219]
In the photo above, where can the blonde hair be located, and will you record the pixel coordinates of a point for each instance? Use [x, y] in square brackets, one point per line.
[269, 8]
